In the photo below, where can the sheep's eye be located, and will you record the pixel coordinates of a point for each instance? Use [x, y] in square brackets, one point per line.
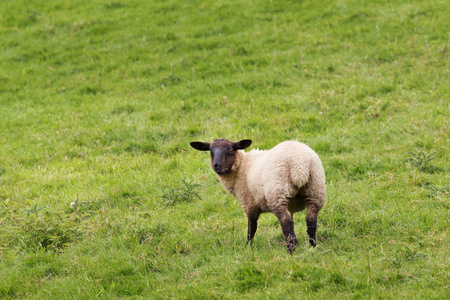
[212, 154]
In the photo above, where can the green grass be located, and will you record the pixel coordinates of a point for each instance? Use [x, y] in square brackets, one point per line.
[102, 197]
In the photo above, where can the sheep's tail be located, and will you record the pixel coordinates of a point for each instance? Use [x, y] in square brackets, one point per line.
[313, 177]
[308, 170]
[299, 173]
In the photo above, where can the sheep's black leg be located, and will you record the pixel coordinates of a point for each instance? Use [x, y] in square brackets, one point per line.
[311, 223]
[287, 225]
[252, 226]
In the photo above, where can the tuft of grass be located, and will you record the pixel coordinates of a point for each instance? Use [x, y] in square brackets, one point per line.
[421, 160]
[249, 277]
[185, 193]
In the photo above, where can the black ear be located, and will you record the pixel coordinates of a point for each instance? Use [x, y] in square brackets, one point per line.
[242, 144]
[200, 146]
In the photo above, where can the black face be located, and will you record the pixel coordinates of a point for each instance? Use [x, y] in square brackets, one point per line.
[223, 153]
[223, 156]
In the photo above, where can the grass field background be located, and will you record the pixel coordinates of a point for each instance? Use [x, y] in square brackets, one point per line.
[102, 197]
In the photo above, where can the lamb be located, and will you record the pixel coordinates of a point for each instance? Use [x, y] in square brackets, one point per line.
[284, 180]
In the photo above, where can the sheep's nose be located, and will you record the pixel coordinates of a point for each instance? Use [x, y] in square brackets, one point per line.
[218, 168]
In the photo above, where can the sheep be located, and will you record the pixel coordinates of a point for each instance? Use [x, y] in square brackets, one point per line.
[284, 180]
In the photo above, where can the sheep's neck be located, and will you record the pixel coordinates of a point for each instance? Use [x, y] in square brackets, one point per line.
[232, 180]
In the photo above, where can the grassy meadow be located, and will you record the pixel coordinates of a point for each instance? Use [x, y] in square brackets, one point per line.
[101, 195]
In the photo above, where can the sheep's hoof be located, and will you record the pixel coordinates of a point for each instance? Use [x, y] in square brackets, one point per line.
[291, 242]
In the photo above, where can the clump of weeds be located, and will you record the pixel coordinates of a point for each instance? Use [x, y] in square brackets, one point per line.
[187, 192]
[421, 160]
